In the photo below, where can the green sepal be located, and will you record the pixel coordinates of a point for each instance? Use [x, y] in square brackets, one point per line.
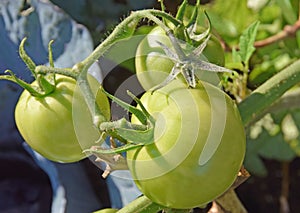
[117, 150]
[192, 30]
[12, 77]
[137, 112]
[129, 133]
[133, 136]
[50, 54]
[46, 84]
[138, 101]
[27, 60]
[181, 10]
[162, 5]
[194, 16]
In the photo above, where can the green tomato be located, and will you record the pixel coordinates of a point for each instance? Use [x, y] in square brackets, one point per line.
[198, 149]
[151, 59]
[47, 123]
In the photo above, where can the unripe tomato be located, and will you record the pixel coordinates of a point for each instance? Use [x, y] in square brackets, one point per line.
[46, 123]
[151, 58]
[198, 148]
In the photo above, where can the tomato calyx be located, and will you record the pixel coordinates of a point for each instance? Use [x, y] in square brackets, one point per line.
[127, 132]
[184, 37]
[187, 64]
[132, 135]
[46, 82]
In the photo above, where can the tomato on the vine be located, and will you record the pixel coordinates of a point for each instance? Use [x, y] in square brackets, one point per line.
[198, 149]
[150, 57]
[47, 125]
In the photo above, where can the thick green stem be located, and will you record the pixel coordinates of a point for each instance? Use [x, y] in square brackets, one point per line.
[141, 205]
[123, 31]
[145, 205]
[90, 99]
[229, 202]
[127, 24]
[269, 92]
[41, 69]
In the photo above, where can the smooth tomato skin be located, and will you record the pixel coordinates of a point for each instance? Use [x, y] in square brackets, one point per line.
[168, 171]
[46, 123]
[151, 58]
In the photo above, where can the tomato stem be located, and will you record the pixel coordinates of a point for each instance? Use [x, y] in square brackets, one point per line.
[141, 205]
[122, 31]
[126, 26]
[97, 115]
[42, 69]
[145, 205]
[268, 93]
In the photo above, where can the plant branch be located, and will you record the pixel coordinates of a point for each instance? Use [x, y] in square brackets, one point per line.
[288, 30]
[229, 202]
[141, 205]
[268, 93]
[290, 100]
[122, 31]
[125, 30]
[41, 69]
[284, 205]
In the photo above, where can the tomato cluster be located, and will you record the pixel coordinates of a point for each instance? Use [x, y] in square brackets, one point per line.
[194, 157]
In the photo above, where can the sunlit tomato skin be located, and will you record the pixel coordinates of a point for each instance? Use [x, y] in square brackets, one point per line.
[198, 149]
[151, 58]
[46, 123]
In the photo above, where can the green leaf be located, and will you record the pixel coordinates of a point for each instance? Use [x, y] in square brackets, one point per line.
[276, 136]
[275, 148]
[246, 43]
[236, 58]
[254, 164]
